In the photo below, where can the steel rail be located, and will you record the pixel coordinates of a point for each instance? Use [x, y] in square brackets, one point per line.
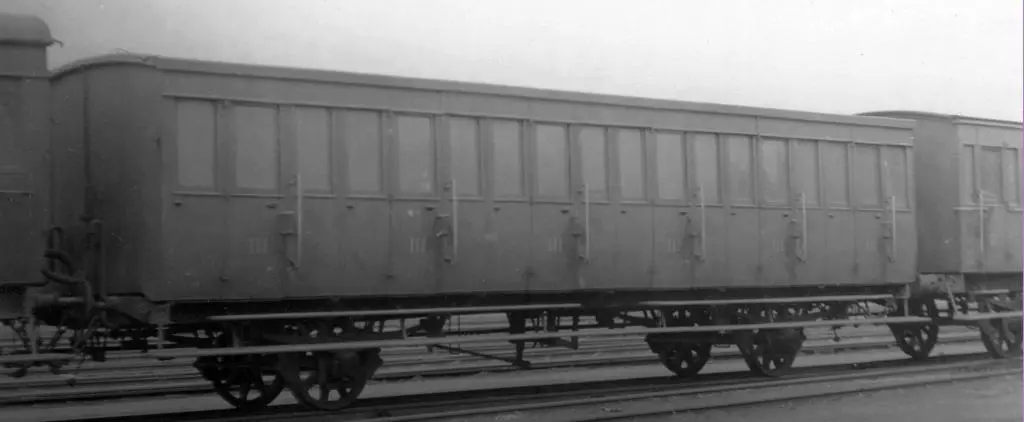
[487, 402]
[188, 381]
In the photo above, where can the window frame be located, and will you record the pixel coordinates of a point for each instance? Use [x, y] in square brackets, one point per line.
[794, 189]
[1011, 199]
[693, 168]
[480, 178]
[615, 148]
[231, 169]
[217, 184]
[342, 136]
[329, 154]
[490, 157]
[762, 198]
[857, 171]
[655, 168]
[728, 196]
[394, 141]
[535, 179]
[577, 155]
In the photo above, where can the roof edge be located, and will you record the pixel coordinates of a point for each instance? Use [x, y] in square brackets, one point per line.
[438, 85]
[954, 118]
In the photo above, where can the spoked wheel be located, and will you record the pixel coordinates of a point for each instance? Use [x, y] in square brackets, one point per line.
[771, 353]
[241, 381]
[1000, 339]
[329, 381]
[917, 340]
[684, 359]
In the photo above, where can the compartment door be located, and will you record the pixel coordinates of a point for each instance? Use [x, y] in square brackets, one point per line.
[711, 268]
[308, 221]
[741, 220]
[838, 255]
[509, 231]
[634, 224]
[260, 219]
[899, 231]
[465, 246]
[557, 225]
[775, 215]
[419, 219]
[676, 227]
[196, 232]
[870, 228]
[996, 230]
[595, 211]
[365, 216]
[808, 252]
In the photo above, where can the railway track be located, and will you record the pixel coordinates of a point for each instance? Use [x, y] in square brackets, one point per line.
[182, 378]
[381, 394]
[624, 398]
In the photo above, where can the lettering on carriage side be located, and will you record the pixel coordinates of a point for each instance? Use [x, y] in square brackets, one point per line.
[258, 245]
[554, 244]
[675, 245]
[417, 245]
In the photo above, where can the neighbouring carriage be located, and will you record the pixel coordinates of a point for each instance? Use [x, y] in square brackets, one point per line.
[282, 226]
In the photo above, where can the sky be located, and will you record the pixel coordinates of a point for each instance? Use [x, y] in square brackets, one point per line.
[838, 56]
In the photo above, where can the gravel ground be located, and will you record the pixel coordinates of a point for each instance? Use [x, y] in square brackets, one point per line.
[56, 412]
[986, 400]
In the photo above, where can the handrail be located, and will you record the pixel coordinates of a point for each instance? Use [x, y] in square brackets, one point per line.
[703, 222]
[455, 222]
[803, 228]
[892, 212]
[298, 220]
[586, 221]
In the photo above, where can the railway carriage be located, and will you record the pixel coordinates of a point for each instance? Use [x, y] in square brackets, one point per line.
[968, 173]
[281, 226]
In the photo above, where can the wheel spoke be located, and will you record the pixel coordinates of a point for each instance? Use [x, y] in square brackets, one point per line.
[315, 387]
[685, 360]
[243, 391]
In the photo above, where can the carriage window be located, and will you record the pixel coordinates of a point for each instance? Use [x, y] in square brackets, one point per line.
[508, 160]
[197, 132]
[361, 134]
[774, 172]
[894, 161]
[967, 174]
[631, 164]
[314, 139]
[465, 160]
[552, 162]
[415, 155]
[805, 170]
[741, 180]
[705, 166]
[866, 176]
[256, 165]
[834, 174]
[669, 150]
[593, 157]
[1011, 176]
[991, 179]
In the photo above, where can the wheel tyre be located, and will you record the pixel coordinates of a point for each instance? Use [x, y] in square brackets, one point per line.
[917, 340]
[237, 387]
[771, 354]
[1000, 340]
[315, 388]
[686, 360]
